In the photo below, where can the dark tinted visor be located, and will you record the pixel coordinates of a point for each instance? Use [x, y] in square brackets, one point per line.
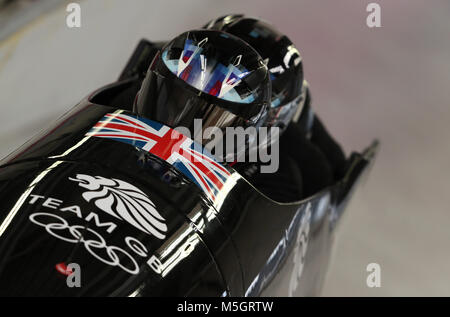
[206, 75]
[282, 57]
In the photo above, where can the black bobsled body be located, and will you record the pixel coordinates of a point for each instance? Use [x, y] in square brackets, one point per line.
[68, 197]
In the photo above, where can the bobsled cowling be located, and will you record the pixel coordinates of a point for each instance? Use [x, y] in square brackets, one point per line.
[137, 225]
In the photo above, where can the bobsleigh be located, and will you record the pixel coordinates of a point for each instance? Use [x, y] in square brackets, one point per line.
[90, 211]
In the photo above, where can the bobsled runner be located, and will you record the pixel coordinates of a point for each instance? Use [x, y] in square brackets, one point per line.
[108, 201]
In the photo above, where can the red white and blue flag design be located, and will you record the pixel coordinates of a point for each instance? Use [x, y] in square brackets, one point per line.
[187, 156]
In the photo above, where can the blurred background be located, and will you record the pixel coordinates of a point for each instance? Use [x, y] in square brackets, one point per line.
[392, 83]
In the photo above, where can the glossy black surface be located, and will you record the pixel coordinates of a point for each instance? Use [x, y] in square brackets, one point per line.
[243, 243]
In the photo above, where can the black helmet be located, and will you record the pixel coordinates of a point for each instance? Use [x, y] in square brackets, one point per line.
[283, 61]
[209, 75]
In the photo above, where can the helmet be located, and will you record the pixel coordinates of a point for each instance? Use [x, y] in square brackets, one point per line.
[282, 58]
[208, 75]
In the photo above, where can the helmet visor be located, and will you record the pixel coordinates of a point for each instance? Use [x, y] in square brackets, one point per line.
[207, 75]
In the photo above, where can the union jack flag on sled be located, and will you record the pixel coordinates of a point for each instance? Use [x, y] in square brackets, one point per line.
[187, 156]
